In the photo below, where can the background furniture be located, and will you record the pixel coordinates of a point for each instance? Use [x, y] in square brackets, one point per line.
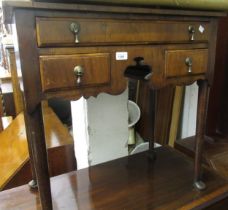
[11, 97]
[15, 78]
[217, 119]
[15, 162]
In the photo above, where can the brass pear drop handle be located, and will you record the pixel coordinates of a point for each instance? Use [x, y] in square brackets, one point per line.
[188, 62]
[75, 29]
[191, 30]
[78, 72]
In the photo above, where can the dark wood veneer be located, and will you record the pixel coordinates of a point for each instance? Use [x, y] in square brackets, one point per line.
[133, 183]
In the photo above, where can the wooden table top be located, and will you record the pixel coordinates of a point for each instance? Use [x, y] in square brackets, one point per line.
[193, 4]
[130, 183]
[9, 6]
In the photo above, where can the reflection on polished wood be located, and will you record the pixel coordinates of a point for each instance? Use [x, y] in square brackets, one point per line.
[215, 154]
[14, 152]
[56, 134]
[131, 183]
[13, 143]
[6, 121]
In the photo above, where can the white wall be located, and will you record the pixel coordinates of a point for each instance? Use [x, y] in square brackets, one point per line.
[80, 132]
[188, 126]
[100, 127]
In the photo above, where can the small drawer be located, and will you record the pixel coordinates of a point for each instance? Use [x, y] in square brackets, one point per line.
[185, 62]
[74, 71]
[77, 31]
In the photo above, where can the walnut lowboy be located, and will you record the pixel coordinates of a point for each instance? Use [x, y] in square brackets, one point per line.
[74, 50]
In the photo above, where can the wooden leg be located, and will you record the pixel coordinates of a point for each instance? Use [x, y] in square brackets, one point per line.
[151, 153]
[33, 183]
[200, 132]
[34, 124]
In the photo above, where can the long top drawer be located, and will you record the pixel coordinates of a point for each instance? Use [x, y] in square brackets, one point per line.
[77, 31]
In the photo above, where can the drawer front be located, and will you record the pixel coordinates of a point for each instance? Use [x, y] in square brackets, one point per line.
[61, 71]
[58, 31]
[185, 62]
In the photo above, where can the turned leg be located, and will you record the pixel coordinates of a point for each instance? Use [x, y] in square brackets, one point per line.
[200, 132]
[34, 126]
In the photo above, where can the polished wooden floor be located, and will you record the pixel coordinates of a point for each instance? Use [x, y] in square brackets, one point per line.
[131, 183]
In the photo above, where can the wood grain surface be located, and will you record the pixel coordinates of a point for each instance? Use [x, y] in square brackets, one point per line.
[14, 147]
[130, 183]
